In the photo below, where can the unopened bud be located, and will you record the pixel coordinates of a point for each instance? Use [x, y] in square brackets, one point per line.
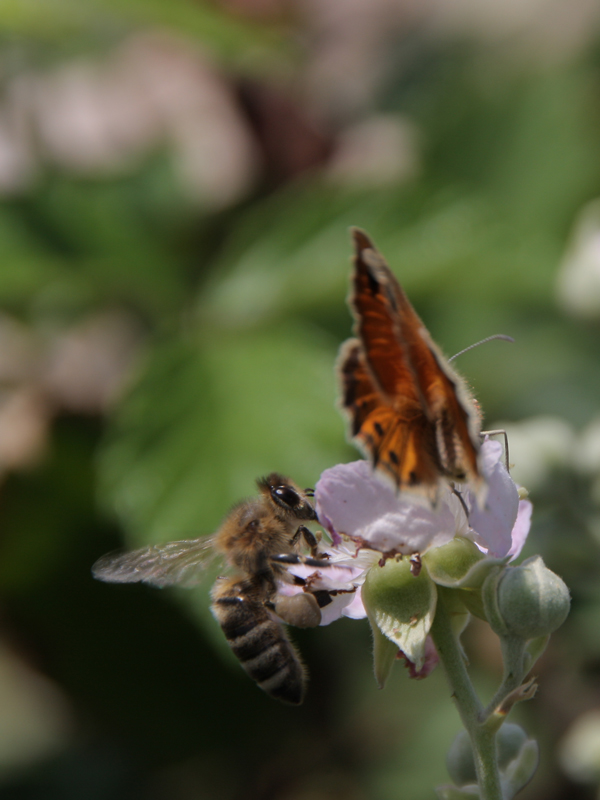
[526, 601]
[510, 741]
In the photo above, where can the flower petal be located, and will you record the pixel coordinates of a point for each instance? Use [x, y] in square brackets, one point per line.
[494, 523]
[359, 505]
[337, 608]
[431, 661]
[355, 608]
[520, 529]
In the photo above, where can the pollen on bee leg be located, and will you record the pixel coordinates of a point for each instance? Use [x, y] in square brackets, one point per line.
[301, 610]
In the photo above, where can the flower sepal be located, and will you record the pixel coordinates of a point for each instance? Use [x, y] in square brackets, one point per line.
[401, 606]
[460, 564]
[473, 602]
[520, 770]
[384, 655]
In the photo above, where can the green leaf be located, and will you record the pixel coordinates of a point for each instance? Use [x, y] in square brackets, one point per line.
[206, 419]
[226, 34]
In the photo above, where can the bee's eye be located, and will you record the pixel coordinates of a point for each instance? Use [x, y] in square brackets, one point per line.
[286, 496]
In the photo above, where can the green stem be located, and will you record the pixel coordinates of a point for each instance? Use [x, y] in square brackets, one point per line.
[513, 656]
[483, 740]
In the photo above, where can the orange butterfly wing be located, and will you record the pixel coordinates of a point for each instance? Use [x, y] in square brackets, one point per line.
[409, 411]
[400, 444]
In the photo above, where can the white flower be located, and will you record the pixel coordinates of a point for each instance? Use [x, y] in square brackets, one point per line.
[369, 521]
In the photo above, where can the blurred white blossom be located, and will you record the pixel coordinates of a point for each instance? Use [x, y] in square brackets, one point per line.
[102, 117]
[35, 722]
[351, 43]
[349, 50]
[578, 279]
[588, 448]
[546, 29]
[537, 446]
[377, 151]
[86, 366]
[579, 751]
[81, 368]
[24, 419]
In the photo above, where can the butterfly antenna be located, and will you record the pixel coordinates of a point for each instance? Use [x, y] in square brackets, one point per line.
[461, 499]
[483, 341]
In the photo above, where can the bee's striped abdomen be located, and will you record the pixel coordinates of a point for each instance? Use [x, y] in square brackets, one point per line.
[259, 642]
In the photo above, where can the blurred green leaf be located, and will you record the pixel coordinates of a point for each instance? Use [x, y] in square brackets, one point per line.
[80, 244]
[206, 419]
[226, 36]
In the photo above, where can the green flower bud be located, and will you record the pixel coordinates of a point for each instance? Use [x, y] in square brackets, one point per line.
[526, 602]
[510, 741]
[459, 761]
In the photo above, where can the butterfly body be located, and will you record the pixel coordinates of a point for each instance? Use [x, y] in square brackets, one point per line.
[410, 413]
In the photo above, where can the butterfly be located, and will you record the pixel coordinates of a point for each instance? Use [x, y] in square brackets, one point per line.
[409, 412]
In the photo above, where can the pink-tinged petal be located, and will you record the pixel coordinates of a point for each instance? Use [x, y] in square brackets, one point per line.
[412, 529]
[343, 604]
[494, 522]
[327, 578]
[521, 529]
[349, 497]
[491, 453]
[355, 608]
[361, 506]
[328, 525]
[431, 661]
[337, 608]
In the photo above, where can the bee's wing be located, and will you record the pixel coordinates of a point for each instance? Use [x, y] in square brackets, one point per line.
[181, 562]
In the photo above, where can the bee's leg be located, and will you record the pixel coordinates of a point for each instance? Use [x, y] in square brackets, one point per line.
[295, 558]
[309, 537]
[311, 540]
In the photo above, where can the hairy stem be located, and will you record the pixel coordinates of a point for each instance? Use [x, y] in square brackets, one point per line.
[483, 740]
[513, 651]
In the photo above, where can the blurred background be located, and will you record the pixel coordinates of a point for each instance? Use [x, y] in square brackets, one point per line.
[177, 179]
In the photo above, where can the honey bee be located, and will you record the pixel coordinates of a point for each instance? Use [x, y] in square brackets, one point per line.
[258, 539]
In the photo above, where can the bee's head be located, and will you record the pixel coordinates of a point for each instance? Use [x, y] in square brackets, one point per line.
[287, 495]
